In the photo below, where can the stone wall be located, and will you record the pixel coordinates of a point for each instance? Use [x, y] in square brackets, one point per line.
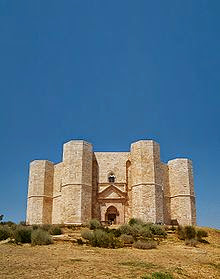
[57, 200]
[77, 182]
[73, 191]
[147, 198]
[182, 198]
[40, 190]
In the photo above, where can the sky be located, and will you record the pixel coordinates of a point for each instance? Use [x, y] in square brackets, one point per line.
[111, 73]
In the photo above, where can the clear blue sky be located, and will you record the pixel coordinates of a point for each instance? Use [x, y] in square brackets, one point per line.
[109, 72]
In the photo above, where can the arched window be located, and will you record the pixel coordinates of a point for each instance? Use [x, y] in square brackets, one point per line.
[111, 178]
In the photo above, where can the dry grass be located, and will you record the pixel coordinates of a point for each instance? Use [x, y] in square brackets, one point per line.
[68, 260]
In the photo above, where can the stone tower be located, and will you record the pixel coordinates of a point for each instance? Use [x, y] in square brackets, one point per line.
[76, 188]
[182, 196]
[147, 194]
[111, 186]
[40, 192]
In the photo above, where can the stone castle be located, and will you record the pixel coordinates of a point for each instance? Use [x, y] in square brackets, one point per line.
[111, 186]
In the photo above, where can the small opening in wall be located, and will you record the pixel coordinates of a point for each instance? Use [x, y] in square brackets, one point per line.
[111, 178]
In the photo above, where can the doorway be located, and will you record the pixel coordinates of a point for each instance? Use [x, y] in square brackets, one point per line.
[111, 215]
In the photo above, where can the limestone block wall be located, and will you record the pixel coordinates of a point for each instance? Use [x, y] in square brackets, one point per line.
[111, 162]
[69, 192]
[147, 195]
[57, 198]
[40, 191]
[166, 193]
[76, 190]
[182, 197]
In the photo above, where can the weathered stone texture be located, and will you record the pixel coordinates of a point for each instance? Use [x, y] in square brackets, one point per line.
[78, 188]
[181, 191]
[147, 196]
[40, 190]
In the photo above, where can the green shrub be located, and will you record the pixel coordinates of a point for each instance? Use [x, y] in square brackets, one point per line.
[145, 232]
[157, 230]
[158, 275]
[116, 232]
[87, 234]
[46, 227]
[135, 221]
[55, 230]
[5, 232]
[145, 244]
[100, 239]
[181, 233]
[41, 237]
[22, 234]
[115, 242]
[190, 232]
[191, 242]
[94, 224]
[35, 227]
[129, 230]
[127, 239]
[200, 234]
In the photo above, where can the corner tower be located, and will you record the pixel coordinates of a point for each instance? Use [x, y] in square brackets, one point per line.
[146, 188]
[76, 189]
[40, 191]
[182, 196]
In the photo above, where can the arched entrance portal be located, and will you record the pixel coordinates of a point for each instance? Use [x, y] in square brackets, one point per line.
[111, 215]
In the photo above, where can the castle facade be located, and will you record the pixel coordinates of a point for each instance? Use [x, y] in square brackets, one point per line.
[111, 186]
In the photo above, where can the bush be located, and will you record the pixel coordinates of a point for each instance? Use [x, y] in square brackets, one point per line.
[46, 227]
[35, 227]
[190, 232]
[55, 230]
[145, 232]
[22, 234]
[127, 239]
[115, 242]
[100, 239]
[191, 242]
[145, 244]
[135, 221]
[116, 232]
[10, 224]
[181, 233]
[187, 232]
[200, 234]
[5, 232]
[158, 275]
[157, 230]
[41, 237]
[129, 230]
[94, 224]
[87, 234]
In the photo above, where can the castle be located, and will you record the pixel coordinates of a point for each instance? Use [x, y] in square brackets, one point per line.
[111, 186]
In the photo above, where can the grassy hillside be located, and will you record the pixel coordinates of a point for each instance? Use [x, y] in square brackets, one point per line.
[65, 259]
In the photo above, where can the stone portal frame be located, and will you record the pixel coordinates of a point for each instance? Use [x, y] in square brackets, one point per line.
[120, 218]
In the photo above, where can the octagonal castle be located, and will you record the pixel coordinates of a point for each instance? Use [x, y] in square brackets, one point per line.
[111, 186]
